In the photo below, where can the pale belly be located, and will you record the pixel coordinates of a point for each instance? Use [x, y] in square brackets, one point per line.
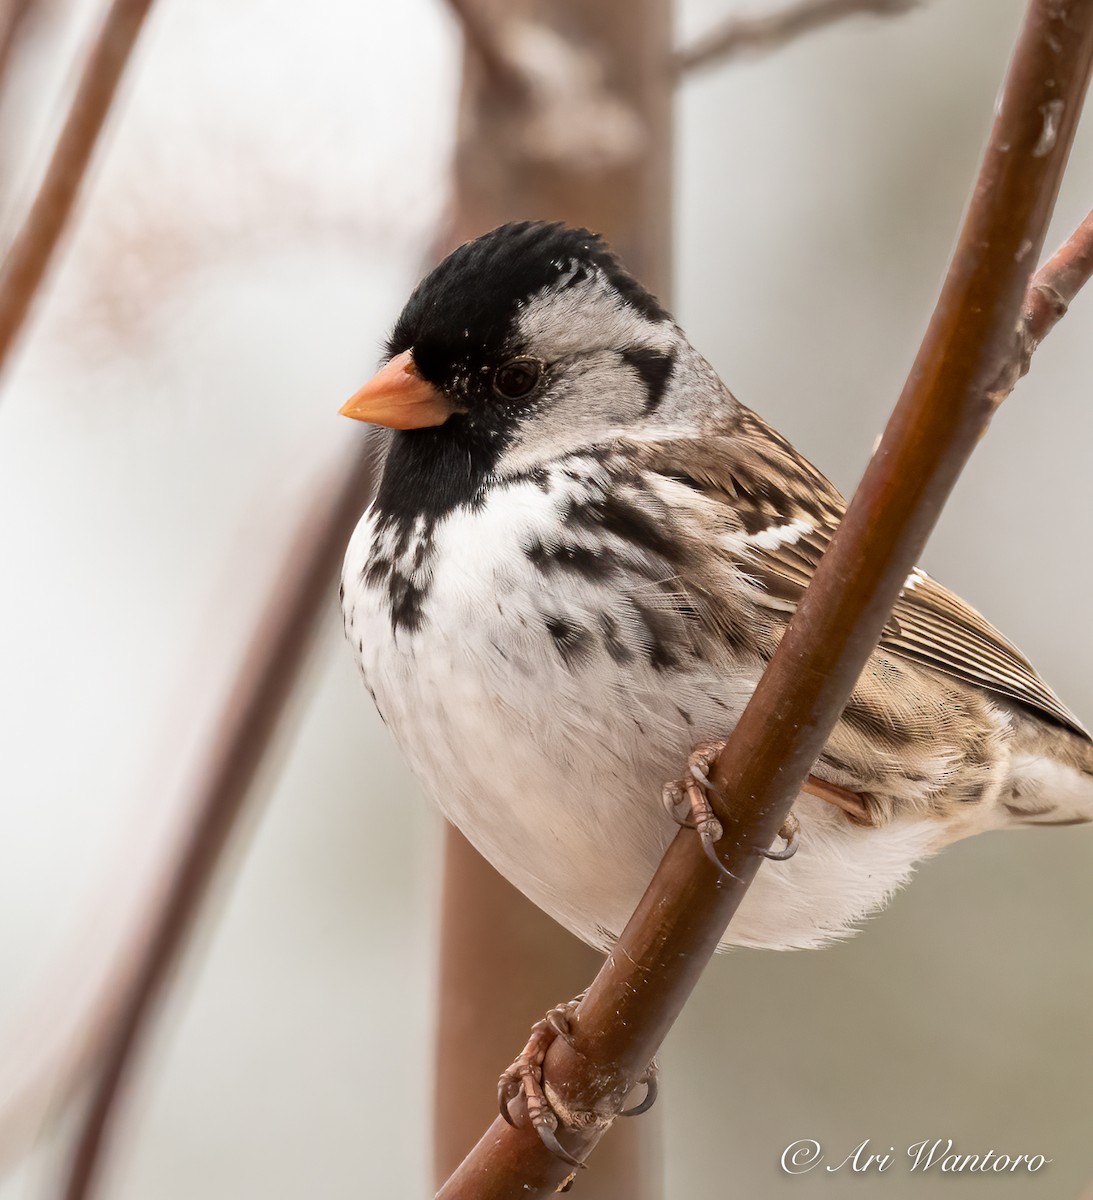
[552, 764]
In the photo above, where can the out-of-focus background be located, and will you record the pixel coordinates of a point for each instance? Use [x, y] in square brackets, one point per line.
[263, 205]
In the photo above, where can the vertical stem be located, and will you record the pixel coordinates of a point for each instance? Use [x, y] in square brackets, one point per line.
[502, 961]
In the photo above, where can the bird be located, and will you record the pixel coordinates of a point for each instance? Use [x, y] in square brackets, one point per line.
[580, 556]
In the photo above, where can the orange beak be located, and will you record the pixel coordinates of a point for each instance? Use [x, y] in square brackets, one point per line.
[398, 397]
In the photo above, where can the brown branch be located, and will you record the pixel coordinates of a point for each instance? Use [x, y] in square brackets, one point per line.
[480, 36]
[1053, 288]
[945, 407]
[29, 256]
[1049, 294]
[264, 683]
[764, 34]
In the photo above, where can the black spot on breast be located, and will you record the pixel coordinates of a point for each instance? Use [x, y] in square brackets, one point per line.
[405, 575]
[619, 651]
[634, 524]
[655, 369]
[572, 642]
[406, 600]
[660, 636]
[539, 476]
[376, 569]
[616, 514]
[579, 560]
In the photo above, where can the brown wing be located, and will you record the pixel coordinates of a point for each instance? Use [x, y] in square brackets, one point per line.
[789, 511]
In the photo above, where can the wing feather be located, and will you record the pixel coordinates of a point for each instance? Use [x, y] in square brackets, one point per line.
[787, 513]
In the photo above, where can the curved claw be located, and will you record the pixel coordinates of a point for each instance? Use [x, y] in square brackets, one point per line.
[546, 1136]
[558, 1023]
[707, 783]
[790, 849]
[505, 1096]
[791, 832]
[709, 828]
[710, 851]
[652, 1087]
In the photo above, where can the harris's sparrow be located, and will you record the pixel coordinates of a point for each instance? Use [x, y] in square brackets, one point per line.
[581, 554]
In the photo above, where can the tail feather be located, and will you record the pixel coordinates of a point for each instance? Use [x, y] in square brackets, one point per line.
[1050, 778]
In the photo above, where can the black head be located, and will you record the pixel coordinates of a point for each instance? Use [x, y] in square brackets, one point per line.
[497, 333]
[461, 321]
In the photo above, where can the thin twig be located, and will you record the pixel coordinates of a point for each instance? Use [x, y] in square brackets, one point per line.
[1052, 289]
[28, 258]
[945, 407]
[482, 40]
[263, 685]
[13, 18]
[1054, 286]
[771, 31]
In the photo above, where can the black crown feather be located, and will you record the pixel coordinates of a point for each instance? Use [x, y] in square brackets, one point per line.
[473, 297]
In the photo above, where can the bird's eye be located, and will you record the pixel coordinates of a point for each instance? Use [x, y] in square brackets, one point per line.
[516, 378]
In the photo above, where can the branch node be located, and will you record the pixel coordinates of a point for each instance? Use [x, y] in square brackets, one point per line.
[570, 116]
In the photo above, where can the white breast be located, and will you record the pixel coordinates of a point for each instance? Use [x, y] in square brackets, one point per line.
[553, 769]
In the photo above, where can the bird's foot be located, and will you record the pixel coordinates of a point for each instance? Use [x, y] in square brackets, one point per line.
[693, 791]
[525, 1078]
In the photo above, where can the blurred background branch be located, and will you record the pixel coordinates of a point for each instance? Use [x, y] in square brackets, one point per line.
[766, 32]
[27, 259]
[13, 19]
